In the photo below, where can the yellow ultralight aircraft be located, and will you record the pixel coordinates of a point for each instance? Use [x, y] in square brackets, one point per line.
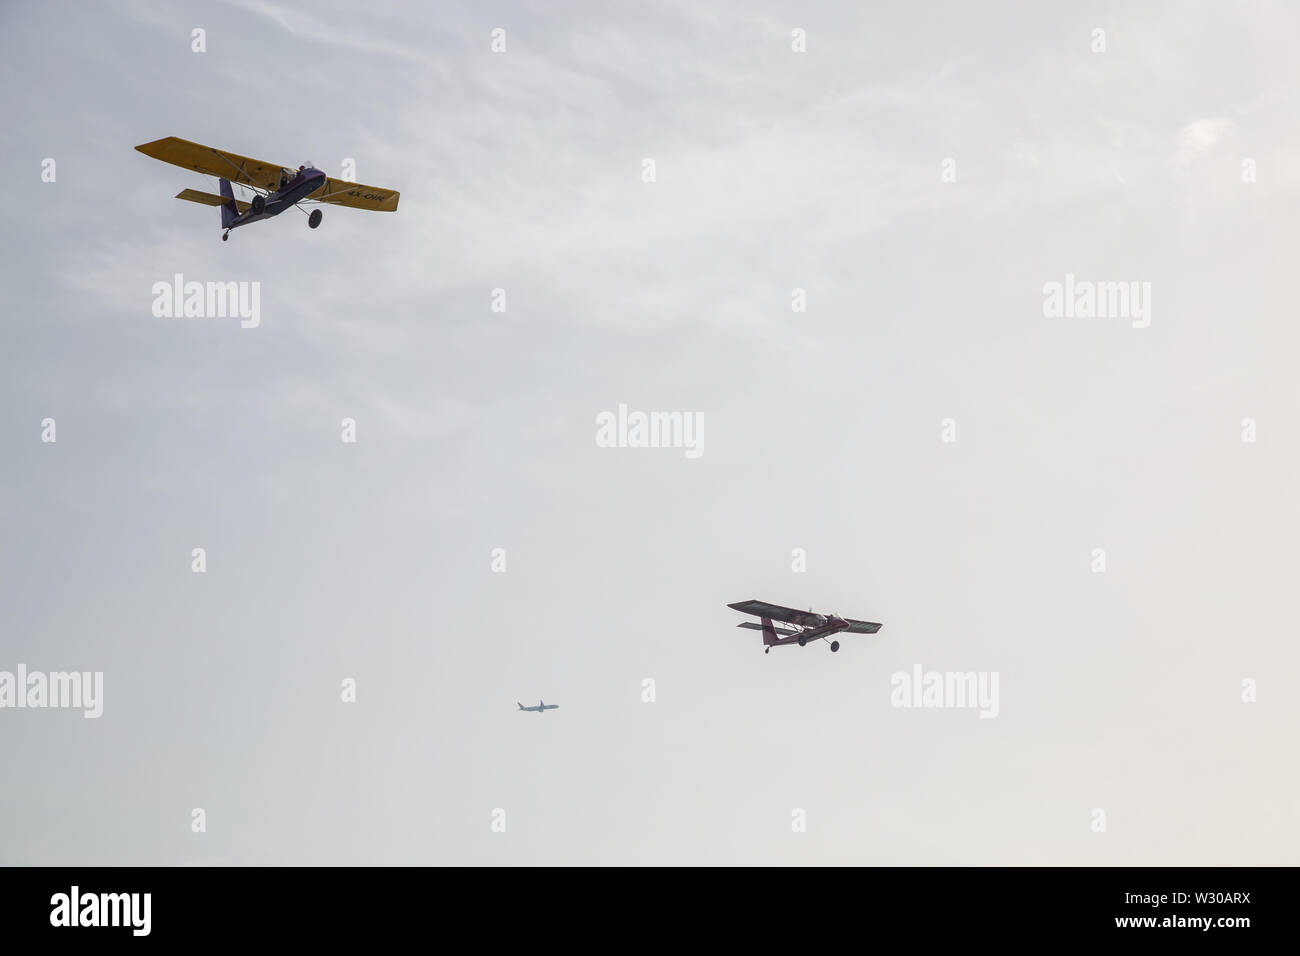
[277, 188]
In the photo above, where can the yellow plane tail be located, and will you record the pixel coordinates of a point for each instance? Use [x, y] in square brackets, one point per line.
[210, 199]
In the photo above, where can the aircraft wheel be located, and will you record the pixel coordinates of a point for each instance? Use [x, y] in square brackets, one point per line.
[314, 219]
[835, 646]
[803, 642]
[259, 204]
[767, 650]
[225, 236]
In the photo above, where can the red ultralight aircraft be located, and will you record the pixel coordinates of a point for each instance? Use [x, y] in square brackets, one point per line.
[804, 626]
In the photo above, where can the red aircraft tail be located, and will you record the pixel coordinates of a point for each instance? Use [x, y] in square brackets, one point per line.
[769, 632]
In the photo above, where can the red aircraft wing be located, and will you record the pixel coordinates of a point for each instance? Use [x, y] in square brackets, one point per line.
[777, 613]
[781, 631]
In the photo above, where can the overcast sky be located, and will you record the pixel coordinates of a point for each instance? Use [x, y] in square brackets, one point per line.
[921, 172]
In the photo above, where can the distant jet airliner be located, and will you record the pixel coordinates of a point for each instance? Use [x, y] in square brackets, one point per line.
[541, 706]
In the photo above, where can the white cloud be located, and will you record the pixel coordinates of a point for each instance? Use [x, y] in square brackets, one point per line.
[1201, 137]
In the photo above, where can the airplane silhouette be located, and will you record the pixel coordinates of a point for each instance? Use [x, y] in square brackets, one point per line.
[541, 707]
[803, 627]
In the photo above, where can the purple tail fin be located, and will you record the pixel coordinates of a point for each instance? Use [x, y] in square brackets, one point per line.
[769, 632]
[229, 211]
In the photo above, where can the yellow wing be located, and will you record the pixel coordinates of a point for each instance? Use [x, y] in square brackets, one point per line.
[214, 162]
[343, 193]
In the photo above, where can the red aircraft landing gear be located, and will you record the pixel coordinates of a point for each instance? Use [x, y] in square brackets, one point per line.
[314, 219]
[835, 646]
